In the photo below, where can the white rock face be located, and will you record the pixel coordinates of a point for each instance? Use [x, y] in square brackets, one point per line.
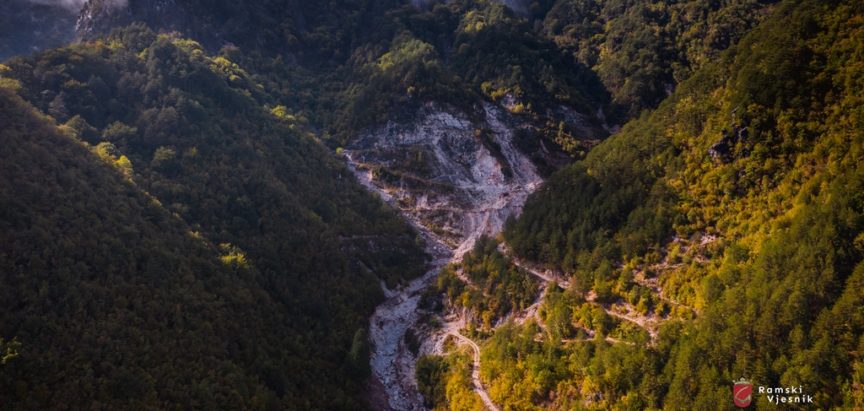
[99, 16]
[452, 186]
[440, 174]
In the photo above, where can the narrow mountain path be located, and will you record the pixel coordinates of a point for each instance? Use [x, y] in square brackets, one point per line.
[475, 371]
[648, 323]
[653, 284]
[546, 275]
[610, 340]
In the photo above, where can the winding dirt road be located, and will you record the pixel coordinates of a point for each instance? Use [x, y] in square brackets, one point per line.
[649, 324]
[475, 371]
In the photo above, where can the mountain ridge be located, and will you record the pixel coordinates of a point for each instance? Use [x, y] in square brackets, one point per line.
[707, 228]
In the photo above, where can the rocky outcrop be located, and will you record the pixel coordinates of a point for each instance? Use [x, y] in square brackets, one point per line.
[98, 17]
[723, 151]
[456, 177]
[580, 125]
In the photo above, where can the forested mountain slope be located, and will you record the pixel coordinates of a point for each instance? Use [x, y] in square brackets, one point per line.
[733, 213]
[102, 286]
[354, 64]
[642, 49]
[177, 241]
[178, 233]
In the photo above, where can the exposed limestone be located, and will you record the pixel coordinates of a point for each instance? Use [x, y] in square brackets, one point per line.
[454, 190]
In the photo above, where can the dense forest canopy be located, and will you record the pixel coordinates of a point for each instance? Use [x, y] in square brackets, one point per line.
[175, 226]
[740, 197]
[352, 64]
[178, 231]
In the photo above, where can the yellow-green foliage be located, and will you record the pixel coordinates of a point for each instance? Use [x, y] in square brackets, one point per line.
[7, 82]
[473, 21]
[8, 350]
[459, 389]
[766, 238]
[445, 382]
[110, 155]
[281, 112]
[232, 256]
[405, 51]
[495, 289]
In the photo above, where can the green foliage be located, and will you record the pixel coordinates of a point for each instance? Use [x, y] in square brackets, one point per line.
[182, 225]
[413, 57]
[410, 73]
[359, 63]
[233, 256]
[237, 253]
[497, 52]
[119, 133]
[431, 374]
[162, 156]
[8, 350]
[642, 49]
[358, 355]
[619, 56]
[455, 372]
[771, 258]
[495, 286]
